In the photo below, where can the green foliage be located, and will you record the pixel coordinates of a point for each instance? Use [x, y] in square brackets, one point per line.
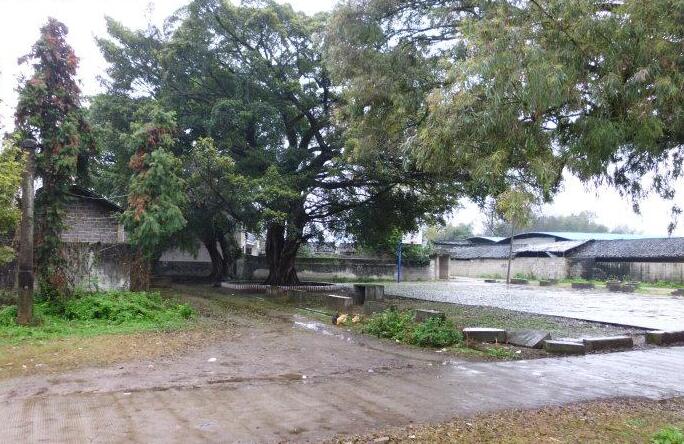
[668, 435]
[390, 324]
[156, 192]
[435, 332]
[449, 232]
[400, 326]
[96, 313]
[49, 111]
[515, 206]
[120, 307]
[11, 167]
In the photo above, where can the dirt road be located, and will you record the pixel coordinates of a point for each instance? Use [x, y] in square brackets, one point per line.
[302, 381]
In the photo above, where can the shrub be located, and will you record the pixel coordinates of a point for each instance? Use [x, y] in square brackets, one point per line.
[118, 307]
[668, 435]
[391, 324]
[8, 316]
[435, 332]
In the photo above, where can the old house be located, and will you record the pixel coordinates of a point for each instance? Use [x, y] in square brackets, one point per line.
[94, 244]
[557, 255]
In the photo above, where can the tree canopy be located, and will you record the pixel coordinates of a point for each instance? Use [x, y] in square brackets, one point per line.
[515, 92]
[252, 78]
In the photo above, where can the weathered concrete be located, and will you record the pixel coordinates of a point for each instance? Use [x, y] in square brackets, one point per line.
[664, 337]
[527, 338]
[678, 292]
[645, 311]
[423, 315]
[516, 281]
[337, 302]
[564, 347]
[491, 281]
[368, 292]
[547, 283]
[608, 343]
[479, 334]
[582, 285]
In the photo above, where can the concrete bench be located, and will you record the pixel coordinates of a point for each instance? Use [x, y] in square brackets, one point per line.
[423, 315]
[368, 292]
[547, 283]
[664, 337]
[608, 343]
[479, 334]
[678, 292]
[564, 347]
[491, 281]
[517, 281]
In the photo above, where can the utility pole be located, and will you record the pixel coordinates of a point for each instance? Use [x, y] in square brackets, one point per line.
[25, 259]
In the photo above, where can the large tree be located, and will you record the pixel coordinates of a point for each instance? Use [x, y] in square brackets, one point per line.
[521, 89]
[49, 111]
[253, 79]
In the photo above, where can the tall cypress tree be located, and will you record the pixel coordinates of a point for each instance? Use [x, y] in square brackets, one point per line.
[49, 111]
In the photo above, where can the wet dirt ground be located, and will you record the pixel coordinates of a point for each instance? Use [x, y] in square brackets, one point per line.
[284, 377]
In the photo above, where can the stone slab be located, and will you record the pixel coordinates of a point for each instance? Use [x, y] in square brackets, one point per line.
[491, 281]
[528, 338]
[608, 343]
[678, 292]
[519, 281]
[564, 347]
[664, 337]
[546, 283]
[423, 315]
[582, 285]
[480, 334]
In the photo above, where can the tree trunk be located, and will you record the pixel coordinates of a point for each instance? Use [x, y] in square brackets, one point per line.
[217, 260]
[510, 256]
[141, 271]
[281, 253]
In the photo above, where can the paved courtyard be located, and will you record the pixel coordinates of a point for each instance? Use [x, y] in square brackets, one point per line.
[638, 310]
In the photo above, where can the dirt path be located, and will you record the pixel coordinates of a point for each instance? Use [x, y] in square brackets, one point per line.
[301, 381]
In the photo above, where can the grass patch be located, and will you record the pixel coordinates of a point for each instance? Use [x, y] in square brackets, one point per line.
[95, 314]
[668, 435]
[400, 326]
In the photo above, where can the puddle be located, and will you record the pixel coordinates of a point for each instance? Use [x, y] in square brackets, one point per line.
[321, 328]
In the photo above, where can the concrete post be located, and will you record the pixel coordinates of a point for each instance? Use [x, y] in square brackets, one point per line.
[25, 257]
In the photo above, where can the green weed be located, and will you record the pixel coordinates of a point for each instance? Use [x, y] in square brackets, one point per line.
[668, 435]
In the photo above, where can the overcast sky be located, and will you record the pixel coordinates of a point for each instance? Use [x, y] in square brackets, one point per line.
[20, 21]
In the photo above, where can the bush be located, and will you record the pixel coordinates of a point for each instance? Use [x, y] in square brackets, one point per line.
[118, 307]
[435, 332]
[391, 324]
[8, 316]
[668, 435]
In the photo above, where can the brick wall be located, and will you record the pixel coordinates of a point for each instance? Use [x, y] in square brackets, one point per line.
[87, 220]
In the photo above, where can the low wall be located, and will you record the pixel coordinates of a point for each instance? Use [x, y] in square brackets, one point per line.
[94, 267]
[538, 267]
[308, 269]
[636, 271]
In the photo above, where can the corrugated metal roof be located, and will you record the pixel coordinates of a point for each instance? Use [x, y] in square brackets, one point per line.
[492, 239]
[561, 247]
[654, 248]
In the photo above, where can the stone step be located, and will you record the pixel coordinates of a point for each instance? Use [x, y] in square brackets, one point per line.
[664, 337]
[491, 281]
[368, 292]
[547, 282]
[608, 343]
[678, 292]
[423, 315]
[519, 281]
[480, 334]
[528, 338]
[564, 347]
